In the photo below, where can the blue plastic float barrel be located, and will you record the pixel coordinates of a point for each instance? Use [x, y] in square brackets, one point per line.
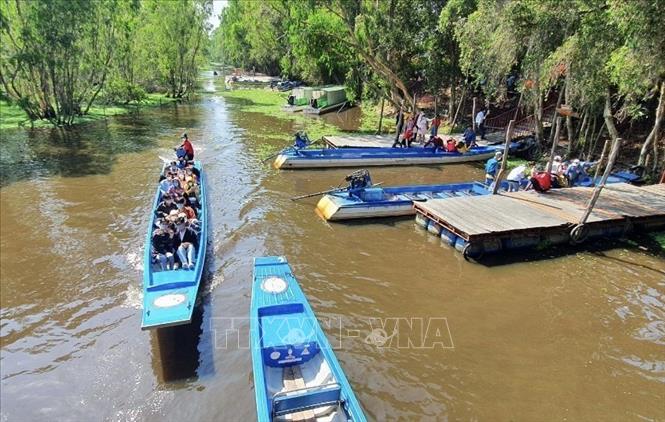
[422, 221]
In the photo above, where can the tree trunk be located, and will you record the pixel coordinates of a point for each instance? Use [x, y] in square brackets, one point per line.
[538, 118]
[570, 127]
[609, 119]
[558, 104]
[653, 135]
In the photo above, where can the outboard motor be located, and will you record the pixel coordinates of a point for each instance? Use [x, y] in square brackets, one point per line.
[301, 141]
[359, 179]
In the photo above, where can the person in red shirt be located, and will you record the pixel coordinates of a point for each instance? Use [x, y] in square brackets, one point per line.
[188, 147]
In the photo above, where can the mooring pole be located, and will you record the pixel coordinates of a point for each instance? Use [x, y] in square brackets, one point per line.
[596, 192]
[473, 115]
[600, 161]
[504, 160]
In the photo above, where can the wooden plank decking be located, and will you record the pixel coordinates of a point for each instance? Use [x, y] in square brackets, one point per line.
[482, 216]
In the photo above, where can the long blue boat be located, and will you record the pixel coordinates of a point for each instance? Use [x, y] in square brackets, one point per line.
[169, 296]
[296, 373]
[295, 158]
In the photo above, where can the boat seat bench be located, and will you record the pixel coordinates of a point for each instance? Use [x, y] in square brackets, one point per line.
[307, 399]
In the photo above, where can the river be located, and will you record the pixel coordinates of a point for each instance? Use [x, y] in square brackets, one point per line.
[559, 335]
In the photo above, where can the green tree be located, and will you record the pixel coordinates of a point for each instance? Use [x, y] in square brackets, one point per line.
[56, 55]
[172, 46]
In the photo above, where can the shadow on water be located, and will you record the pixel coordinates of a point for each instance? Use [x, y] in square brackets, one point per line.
[82, 150]
[176, 354]
[637, 243]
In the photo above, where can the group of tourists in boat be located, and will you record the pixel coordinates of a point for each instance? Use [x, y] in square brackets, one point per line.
[176, 232]
[561, 174]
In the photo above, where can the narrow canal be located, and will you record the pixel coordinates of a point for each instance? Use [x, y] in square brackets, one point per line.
[552, 336]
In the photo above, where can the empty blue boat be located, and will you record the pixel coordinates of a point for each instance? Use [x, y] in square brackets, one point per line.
[294, 158]
[169, 296]
[296, 373]
[373, 202]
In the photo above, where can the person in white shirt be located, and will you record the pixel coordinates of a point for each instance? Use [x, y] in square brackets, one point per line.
[557, 166]
[515, 177]
[480, 122]
[421, 124]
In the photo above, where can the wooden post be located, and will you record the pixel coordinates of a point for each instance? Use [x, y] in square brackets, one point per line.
[596, 192]
[473, 115]
[555, 141]
[504, 160]
[600, 161]
[383, 100]
[436, 108]
[519, 104]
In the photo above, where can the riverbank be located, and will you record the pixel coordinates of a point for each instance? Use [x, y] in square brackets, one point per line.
[270, 103]
[13, 117]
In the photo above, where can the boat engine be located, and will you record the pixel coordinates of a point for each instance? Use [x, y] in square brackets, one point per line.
[301, 140]
[359, 179]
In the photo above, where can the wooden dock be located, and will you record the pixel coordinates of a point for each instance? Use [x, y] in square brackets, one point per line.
[487, 224]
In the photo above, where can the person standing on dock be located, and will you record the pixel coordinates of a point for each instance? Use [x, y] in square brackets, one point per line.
[399, 124]
[421, 124]
[491, 168]
[480, 122]
[436, 122]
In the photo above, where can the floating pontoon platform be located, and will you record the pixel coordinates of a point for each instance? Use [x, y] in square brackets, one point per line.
[476, 225]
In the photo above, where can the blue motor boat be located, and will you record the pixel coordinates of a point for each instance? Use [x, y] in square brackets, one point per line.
[169, 296]
[362, 199]
[296, 373]
[295, 158]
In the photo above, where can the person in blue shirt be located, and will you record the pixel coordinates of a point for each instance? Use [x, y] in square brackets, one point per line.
[469, 137]
[492, 168]
[573, 172]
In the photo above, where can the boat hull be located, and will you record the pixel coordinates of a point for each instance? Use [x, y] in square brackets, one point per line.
[169, 297]
[323, 110]
[286, 339]
[293, 108]
[366, 157]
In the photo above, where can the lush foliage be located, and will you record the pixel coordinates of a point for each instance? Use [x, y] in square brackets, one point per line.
[605, 57]
[57, 57]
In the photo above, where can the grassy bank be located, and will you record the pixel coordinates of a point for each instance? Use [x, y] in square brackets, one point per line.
[270, 103]
[12, 116]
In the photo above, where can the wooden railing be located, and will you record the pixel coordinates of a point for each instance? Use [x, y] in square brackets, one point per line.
[524, 126]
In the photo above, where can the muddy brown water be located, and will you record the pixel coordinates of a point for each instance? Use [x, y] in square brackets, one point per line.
[550, 336]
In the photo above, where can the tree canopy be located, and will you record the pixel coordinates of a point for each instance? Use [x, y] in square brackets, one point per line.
[58, 56]
[606, 57]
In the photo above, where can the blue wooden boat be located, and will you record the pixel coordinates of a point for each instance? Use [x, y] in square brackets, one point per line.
[296, 373]
[393, 201]
[294, 158]
[169, 296]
